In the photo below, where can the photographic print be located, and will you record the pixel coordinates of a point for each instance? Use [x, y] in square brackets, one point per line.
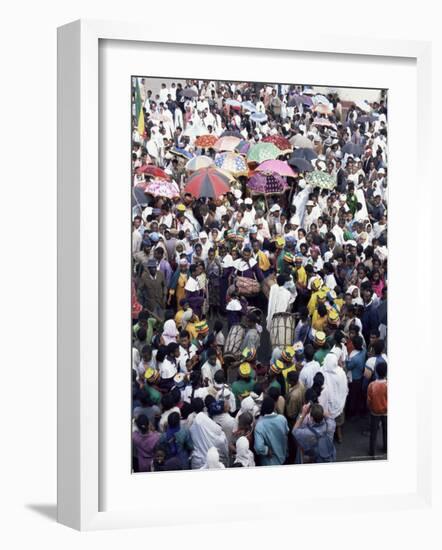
[259, 274]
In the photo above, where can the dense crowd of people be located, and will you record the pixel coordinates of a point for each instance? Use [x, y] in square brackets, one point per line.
[259, 280]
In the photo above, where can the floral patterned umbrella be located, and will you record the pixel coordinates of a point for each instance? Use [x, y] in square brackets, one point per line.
[279, 167]
[267, 184]
[262, 151]
[233, 163]
[280, 141]
[317, 178]
[226, 143]
[207, 141]
[198, 162]
[162, 188]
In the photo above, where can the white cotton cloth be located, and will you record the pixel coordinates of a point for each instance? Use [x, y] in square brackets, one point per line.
[244, 455]
[212, 460]
[335, 390]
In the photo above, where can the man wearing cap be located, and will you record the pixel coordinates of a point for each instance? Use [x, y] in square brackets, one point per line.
[152, 377]
[320, 344]
[245, 382]
[153, 289]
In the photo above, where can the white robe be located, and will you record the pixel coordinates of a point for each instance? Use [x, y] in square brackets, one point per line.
[335, 390]
[279, 301]
[205, 434]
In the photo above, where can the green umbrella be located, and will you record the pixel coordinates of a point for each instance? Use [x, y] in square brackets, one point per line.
[321, 179]
[263, 151]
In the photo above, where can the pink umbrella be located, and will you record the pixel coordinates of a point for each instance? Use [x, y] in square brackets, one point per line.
[279, 167]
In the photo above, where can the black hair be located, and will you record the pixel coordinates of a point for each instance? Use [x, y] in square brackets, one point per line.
[274, 393]
[173, 420]
[142, 423]
[197, 404]
[167, 401]
[268, 405]
[293, 377]
[309, 352]
[381, 369]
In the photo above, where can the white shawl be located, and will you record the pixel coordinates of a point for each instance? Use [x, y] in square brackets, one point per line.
[335, 390]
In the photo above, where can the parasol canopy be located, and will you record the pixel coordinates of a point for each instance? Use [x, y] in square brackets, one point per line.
[249, 106]
[280, 141]
[234, 103]
[363, 106]
[226, 143]
[267, 184]
[153, 171]
[243, 147]
[232, 133]
[233, 163]
[207, 182]
[179, 152]
[198, 162]
[324, 180]
[258, 117]
[304, 153]
[161, 188]
[319, 98]
[352, 149]
[206, 141]
[301, 141]
[259, 152]
[301, 164]
[279, 167]
[189, 93]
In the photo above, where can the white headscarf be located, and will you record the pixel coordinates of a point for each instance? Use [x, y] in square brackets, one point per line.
[212, 460]
[335, 390]
[244, 455]
[169, 332]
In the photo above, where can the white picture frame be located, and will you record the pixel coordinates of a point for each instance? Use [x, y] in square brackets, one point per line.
[80, 294]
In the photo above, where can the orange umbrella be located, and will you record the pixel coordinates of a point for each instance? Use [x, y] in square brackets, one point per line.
[206, 142]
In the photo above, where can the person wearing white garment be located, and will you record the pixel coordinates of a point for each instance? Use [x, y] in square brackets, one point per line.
[280, 299]
[205, 434]
[334, 393]
[244, 456]
[212, 460]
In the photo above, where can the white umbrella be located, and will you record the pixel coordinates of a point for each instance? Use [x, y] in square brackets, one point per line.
[363, 105]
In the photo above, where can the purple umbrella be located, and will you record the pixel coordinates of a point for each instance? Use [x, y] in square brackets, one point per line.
[267, 183]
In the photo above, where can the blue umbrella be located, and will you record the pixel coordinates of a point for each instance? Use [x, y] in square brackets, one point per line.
[181, 152]
[302, 165]
[249, 106]
[304, 153]
[352, 149]
[258, 117]
[233, 103]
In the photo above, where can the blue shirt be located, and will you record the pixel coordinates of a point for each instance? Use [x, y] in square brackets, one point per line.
[356, 364]
[271, 432]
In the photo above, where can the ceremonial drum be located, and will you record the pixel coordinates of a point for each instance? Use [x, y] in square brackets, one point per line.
[233, 342]
[267, 284]
[247, 286]
[282, 329]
